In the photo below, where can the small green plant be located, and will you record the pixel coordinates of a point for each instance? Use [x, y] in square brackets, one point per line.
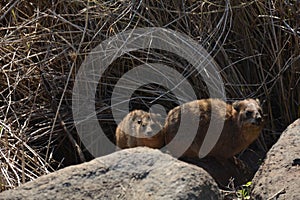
[260, 162]
[244, 192]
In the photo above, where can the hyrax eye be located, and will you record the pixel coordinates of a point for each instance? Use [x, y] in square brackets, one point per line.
[249, 113]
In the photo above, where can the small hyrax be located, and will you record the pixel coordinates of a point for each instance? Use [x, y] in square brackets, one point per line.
[140, 128]
[243, 122]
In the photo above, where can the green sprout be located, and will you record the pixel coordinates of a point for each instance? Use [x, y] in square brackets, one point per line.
[244, 192]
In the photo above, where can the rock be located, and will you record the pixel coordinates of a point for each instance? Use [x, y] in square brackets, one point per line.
[279, 175]
[137, 173]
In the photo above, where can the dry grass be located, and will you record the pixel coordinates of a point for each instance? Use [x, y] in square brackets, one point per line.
[43, 43]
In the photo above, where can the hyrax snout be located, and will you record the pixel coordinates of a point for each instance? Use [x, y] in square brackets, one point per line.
[249, 112]
[140, 128]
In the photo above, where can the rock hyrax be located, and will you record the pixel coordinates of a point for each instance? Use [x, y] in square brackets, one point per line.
[140, 128]
[243, 123]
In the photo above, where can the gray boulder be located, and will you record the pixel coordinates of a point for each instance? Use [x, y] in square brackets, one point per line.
[138, 173]
[279, 176]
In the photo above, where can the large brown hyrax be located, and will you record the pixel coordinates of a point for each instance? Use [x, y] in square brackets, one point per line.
[140, 128]
[243, 123]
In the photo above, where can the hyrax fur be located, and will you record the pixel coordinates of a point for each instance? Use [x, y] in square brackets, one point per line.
[140, 128]
[243, 122]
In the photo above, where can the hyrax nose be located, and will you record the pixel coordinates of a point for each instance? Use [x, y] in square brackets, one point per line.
[149, 133]
[258, 118]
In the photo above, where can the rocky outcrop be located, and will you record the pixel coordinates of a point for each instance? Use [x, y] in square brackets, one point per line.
[279, 176]
[138, 173]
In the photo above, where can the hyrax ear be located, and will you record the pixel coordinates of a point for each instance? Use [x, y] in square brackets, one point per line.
[133, 115]
[236, 105]
[258, 102]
